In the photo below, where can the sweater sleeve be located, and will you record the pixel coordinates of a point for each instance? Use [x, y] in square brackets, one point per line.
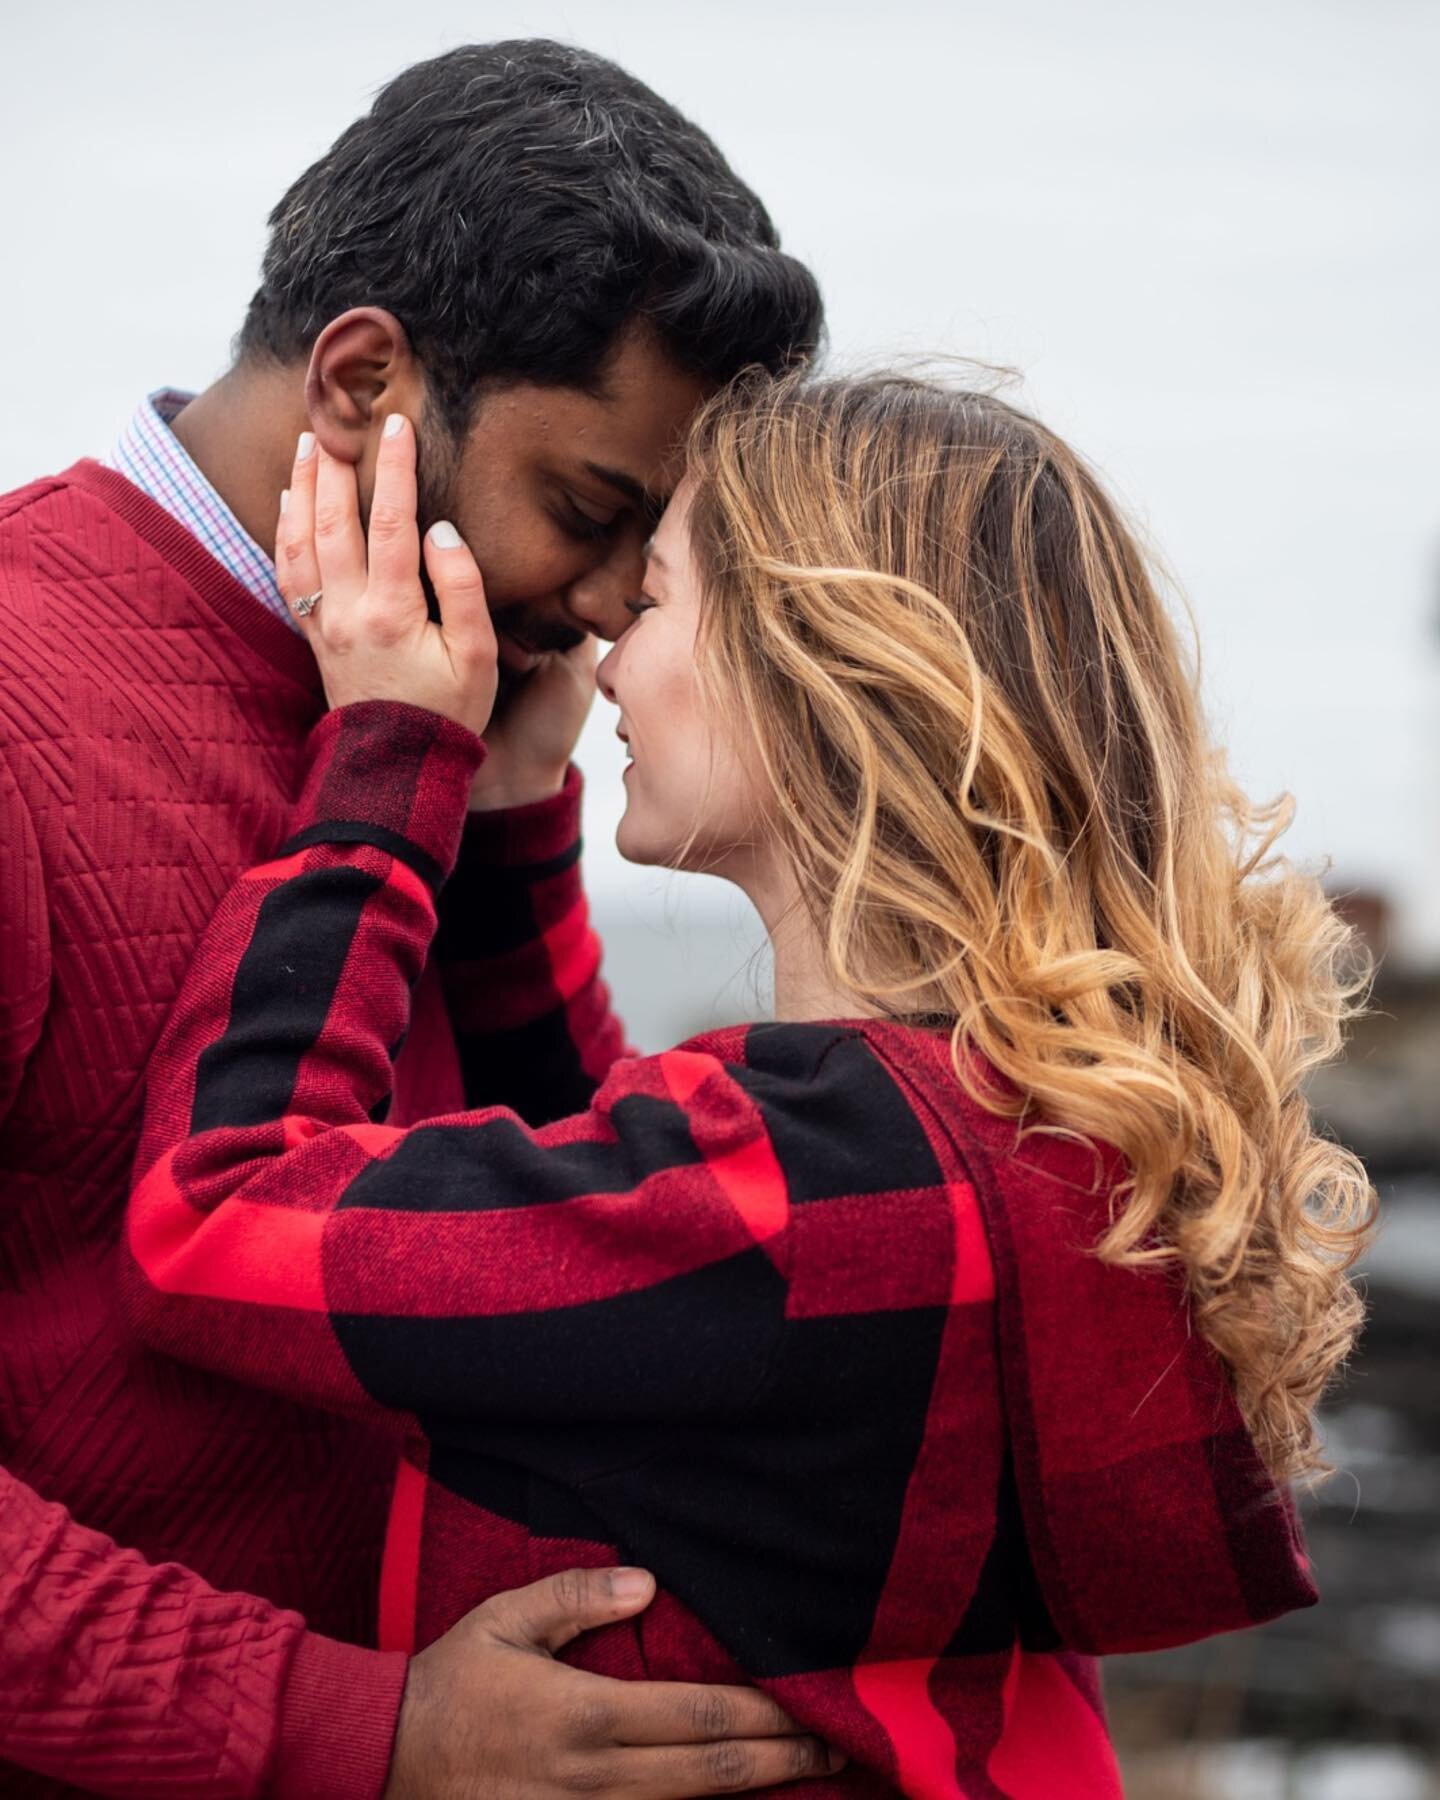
[626, 1263]
[24, 938]
[520, 963]
[140, 1681]
[129, 1678]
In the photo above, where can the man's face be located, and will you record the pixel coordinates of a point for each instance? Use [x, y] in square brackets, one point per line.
[557, 492]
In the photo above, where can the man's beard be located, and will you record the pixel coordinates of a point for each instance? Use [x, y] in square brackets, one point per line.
[437, 484]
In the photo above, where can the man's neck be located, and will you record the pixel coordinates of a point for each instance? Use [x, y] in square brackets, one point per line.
[241, 435]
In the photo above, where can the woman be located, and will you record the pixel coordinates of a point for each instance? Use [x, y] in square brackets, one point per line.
[957, 1326]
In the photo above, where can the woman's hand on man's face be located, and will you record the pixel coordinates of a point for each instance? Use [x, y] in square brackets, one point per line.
[369, 630]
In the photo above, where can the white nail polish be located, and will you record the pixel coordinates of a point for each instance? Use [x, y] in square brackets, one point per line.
[284, 500]
[305, 446]
[393, 426]
[444, 536]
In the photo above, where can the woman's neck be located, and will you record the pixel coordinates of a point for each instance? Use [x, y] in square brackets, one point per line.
[804, 987]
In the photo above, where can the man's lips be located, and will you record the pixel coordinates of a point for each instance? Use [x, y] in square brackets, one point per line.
[513, 656]
[521, 650]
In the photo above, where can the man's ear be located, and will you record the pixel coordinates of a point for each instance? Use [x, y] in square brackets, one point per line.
[361, 368]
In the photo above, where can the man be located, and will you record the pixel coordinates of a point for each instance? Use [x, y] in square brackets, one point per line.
[529, 253]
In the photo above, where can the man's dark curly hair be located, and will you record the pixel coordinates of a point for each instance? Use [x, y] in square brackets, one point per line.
[516, 205]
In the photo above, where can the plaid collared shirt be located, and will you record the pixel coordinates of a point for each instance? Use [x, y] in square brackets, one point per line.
[149, 454]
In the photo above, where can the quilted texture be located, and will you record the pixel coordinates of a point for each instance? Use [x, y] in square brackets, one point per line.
[151, 717]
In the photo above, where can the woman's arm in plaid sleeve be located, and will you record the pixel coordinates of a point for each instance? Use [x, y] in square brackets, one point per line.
[621, 1263]
[520, 964]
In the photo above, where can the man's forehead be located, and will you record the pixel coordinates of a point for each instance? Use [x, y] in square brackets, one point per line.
[627, 434]
[635, 418]
[640, 418]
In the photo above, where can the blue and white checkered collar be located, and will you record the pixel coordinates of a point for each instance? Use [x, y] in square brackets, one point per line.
[149, 454]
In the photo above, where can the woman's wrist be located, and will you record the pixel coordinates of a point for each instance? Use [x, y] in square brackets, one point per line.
[388, 773]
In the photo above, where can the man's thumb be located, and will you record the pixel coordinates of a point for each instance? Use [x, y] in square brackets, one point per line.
[549, 1613]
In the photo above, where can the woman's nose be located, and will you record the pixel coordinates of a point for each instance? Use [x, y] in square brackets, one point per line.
[605, 674]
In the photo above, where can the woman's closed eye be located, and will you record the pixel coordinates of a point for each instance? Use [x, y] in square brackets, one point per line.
[641, 603]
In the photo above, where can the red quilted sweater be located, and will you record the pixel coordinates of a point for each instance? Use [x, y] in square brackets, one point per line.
[152, 717]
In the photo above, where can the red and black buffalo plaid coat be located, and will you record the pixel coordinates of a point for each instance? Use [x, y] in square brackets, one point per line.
[779, 1314]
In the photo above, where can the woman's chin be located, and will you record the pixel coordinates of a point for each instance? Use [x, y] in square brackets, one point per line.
[634, 843]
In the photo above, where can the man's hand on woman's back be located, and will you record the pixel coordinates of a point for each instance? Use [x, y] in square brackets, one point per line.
[489, 1713]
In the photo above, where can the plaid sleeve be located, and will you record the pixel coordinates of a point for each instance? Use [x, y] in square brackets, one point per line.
[622, 1262]
[520, 964]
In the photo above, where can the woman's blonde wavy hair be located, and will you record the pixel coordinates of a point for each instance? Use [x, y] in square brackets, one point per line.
[984, 752]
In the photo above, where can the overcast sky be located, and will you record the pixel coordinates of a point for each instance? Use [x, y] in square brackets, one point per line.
[1207, 235]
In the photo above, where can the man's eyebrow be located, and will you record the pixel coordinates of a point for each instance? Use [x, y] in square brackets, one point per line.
[650, 506]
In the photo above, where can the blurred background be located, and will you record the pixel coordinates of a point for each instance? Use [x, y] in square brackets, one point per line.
[1209, 240]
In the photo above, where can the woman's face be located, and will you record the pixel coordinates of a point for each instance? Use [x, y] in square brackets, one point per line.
[691, 802]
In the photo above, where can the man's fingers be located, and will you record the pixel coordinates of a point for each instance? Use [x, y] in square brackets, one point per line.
[296, 569]
[339, 541]
[683, 1712]
[548, 1614]
[394, 536]
[732, 1766]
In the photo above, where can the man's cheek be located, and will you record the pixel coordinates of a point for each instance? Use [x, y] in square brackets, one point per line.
[516, 572]
[513, 555]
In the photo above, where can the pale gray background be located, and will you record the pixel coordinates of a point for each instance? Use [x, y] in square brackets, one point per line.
[1206, 234]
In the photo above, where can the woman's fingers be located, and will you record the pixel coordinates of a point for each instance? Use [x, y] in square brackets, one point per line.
[394, 540]
[296, 569]
[370, 634]
[339, 540]
[464, 614]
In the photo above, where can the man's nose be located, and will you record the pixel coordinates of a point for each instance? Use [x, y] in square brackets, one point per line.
[597, 600]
